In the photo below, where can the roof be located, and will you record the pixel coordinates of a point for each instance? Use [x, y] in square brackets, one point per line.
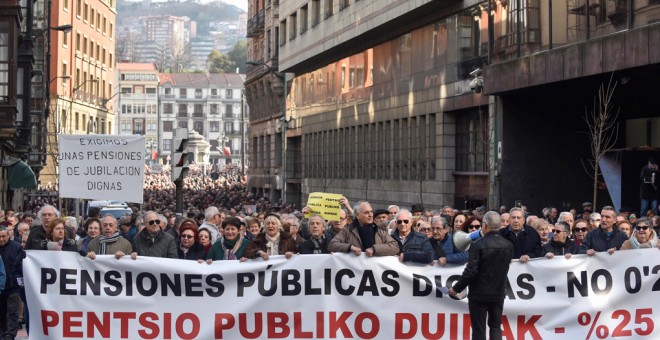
[222, 80]
[136, 67]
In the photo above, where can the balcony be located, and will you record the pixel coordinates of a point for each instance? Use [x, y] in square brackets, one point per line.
[167, 96]
[182, 114]
[256, 24]
[198, 114]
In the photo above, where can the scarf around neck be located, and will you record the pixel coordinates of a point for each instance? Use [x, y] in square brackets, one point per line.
[273, 244]
[52, 245]
[103, 241]
[652, 241]
[231, 247]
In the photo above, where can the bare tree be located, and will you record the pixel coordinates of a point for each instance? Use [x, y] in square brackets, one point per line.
[181, 58]
[603, 130]
[126, 46]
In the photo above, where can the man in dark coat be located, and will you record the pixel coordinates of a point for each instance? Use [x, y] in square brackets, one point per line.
[318, 240]
[153, 241]
[561, 244]
[607, 237]
[11, 253]
[649, 188]
[526, 240]
[414, 246]
[486, 275]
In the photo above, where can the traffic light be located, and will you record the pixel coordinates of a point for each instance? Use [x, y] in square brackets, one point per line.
[180, 155]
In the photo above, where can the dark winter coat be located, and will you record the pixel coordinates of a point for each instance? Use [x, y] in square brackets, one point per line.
[558, 248]
[416, 247]
[527, 242]
[598, 240]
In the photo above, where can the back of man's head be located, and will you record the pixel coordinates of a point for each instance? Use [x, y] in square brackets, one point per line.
[492, 221]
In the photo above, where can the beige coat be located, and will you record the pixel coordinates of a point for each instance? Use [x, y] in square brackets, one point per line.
[385, 245]
[111, 248]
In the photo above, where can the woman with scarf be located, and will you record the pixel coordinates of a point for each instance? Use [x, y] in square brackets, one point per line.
[232, 245]
[110, 242]
[92, 229]
[204, 238]
[189, 248]
[56, 237]
[273, 241]
[643, 237]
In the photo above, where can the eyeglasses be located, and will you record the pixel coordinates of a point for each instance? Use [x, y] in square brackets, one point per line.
[438, 228]
[598, 220]
[187, 236]
[424, 230]
[642, 228]
[152, 222]
[557, 231]
[474, 226]
[580, 230]
[402, 221]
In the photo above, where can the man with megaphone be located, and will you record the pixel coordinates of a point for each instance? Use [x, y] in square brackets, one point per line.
[486, 275]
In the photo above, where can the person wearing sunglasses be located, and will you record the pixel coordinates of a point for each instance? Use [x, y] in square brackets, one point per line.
[580, 230]
[414, 246]
[643, 236]
[189, 247]
[153, 241]
[561, 244]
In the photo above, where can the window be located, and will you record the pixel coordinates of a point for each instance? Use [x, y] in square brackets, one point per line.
[151, 90]
[7, 60]
[199, 127]
[138, 128]
[214, 109]
[198, 110]
[104, 23]
[343, 4]
[85, 12]
[98, 20]
[183, 93]
[111, 30]
[78, 7]
[282, 35]
[110, 60]
[66, 4]
[198, 93]
[316, 12]
[293, 22]
[91, 17]
[214, 126]
[470, 151]
[78, 42]
[84, 51]
[91, 50]
[65, 40]
[229, 111]
[64, 72]
[303, 19]
[329, 8]
[103, 56]
[229, 94]
[168, 91]
[126, 90]
[182, 124]
[214, 92]
[183, 110]
[229, 127]
[167, 144]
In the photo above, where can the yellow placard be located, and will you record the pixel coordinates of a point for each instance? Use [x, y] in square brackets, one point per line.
[324, 204]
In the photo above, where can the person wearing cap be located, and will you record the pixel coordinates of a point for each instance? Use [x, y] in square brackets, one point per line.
[363, 235]
[587, 206]
[417, 210]
[648, 190]
[381, 216]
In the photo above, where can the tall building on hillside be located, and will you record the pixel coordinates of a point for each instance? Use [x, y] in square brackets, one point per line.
[166, 31]
[456, 102]
[82, 69]
[212, 106]
[137, 103]
[265, 94]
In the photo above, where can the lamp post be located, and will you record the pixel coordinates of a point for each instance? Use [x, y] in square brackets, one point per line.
[283, 118]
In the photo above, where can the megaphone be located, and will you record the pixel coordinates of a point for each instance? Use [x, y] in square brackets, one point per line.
[462, 240]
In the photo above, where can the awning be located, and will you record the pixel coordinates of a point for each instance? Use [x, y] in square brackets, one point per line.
[19, 174]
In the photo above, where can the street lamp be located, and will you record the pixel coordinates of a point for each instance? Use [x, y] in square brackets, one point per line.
[283, 78]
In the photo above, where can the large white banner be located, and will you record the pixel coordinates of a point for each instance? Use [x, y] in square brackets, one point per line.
[101, 167]
[332, 297]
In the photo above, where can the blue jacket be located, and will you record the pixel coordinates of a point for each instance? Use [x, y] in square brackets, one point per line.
[11, 254]
[454, 256]
[416, 247]
[598, 240]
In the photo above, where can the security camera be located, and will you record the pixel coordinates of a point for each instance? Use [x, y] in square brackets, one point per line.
[476, 84]
[476, 72]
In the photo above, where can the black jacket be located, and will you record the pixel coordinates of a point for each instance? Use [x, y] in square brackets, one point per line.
[528, 241]
[487, 268]
[196, 252]
[11, 254]
[417, 247]
[557, 248]
[649, 184]
[308, 247]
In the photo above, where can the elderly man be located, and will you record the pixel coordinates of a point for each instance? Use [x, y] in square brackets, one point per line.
[392, 211]
[152, 240]
[414, 247]
[364, 236]
[560, 244]
[9, 299]
[526, 241]
[567, 217]
[294, 227]
[381, 216]
[447, 210]
[486, 275]
[110, 241]
[337, 226]
[604, 238]
[505, 220]
[318, 241]
[212, 219]
[47, 214]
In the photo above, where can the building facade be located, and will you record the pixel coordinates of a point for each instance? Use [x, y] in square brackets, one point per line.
[137, 104]
[211, 105]
[265, 95]
[82, 74]
[461, 102]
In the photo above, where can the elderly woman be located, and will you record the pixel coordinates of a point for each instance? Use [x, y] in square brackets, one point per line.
[560, 244]
[56, 238]
[110, 242]
[92, 229]
[232, 246]
[273, 241]
[318, 238]
[457, 222]
[543, 228]
[189, 248]
[644, 237]
[204, 238]
[580, 230]
[625, 227]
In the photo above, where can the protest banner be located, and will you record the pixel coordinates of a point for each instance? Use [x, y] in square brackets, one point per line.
[332, 297]
[101, 167]
[325, 204]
